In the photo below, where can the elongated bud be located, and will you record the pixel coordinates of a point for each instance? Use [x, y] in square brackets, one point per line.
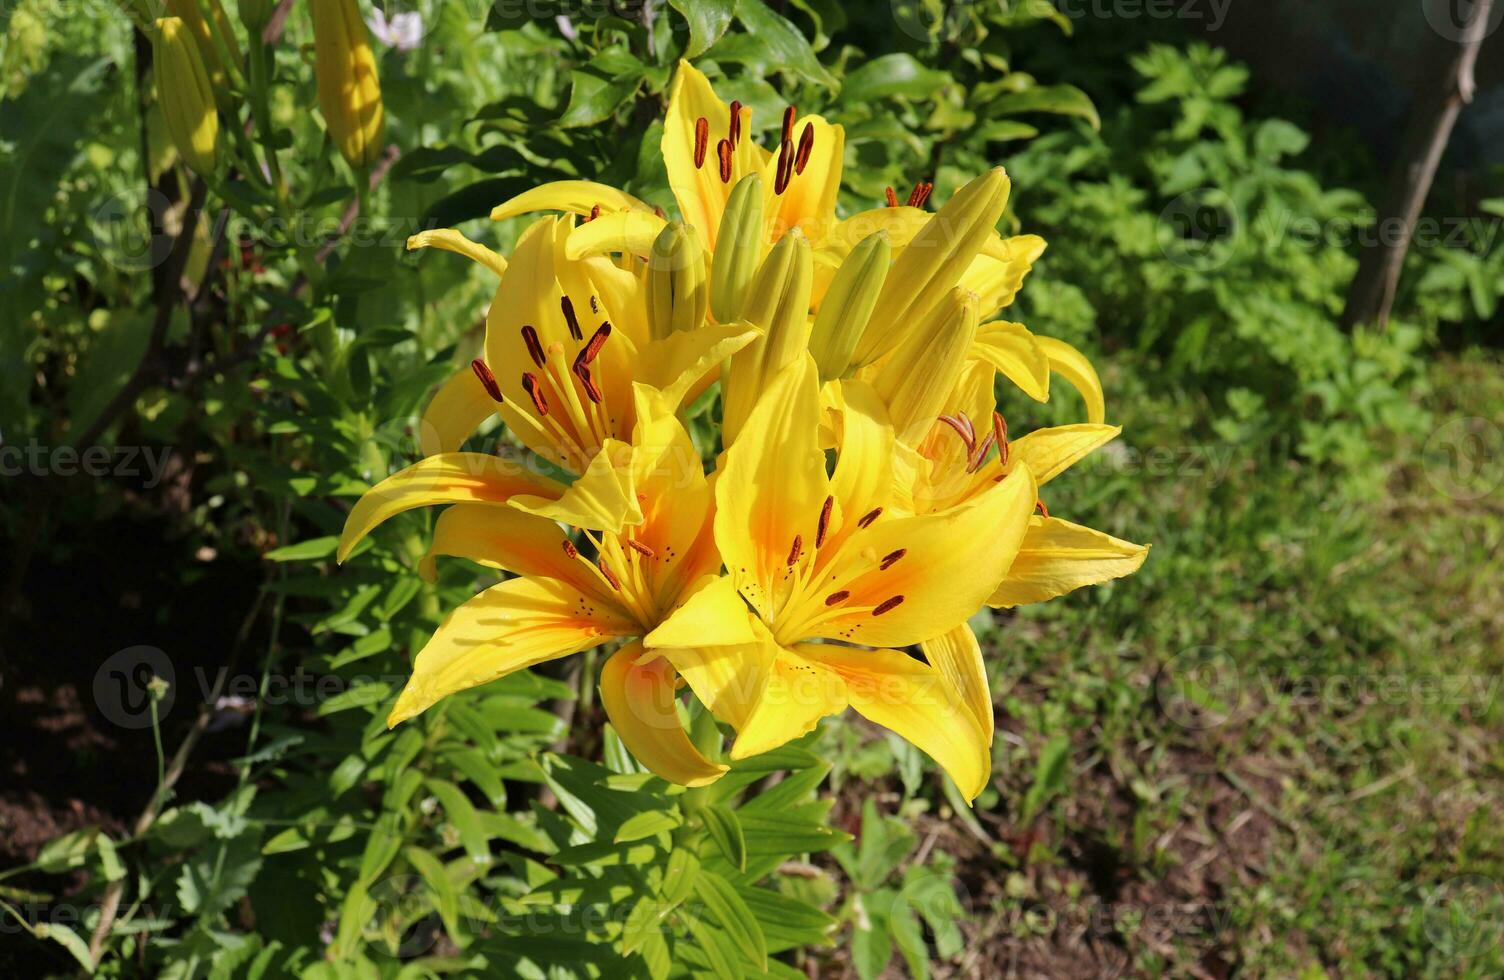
[255, 14]
[214, 52]
[918, 378]
[349, 91]
[933, 263]
[848, 304]
[778, 302]
[187, 102]
[678, 291]
[738, 249]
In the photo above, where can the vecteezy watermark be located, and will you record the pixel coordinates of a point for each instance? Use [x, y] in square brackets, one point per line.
[923, 19]
[1464, 458]
[127, 683]
[1456, 19]
[129, 461]
[1464, 917]
[1200, 688]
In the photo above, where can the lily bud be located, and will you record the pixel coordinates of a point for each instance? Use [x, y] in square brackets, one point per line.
[920, 375]
[183, 90]
[933, 262]
[256, 14]
[738, 249]
[678, 292]
[848, 305]
[192, 16]
[349, 91]
[778, 302]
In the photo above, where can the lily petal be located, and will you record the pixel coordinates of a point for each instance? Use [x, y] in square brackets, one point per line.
[458, 408]
[912, 699]
[680, 362]
[958, 657]
[639, 700]
[450, 478]
[1017, 356]
[574, 196]
[863, 478]
[1069, 363]
[603, 499]
[1059, 557]
[998, 274]
[699, 190]
[713, 616]
[625, 232]
[728, 680]
[798, 693]
[517, 624]
[452, 241]
[1050, 452]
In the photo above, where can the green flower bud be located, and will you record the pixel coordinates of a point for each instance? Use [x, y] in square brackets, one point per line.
[848, 304]
[738, 250]
[183, 90]
[678, 292]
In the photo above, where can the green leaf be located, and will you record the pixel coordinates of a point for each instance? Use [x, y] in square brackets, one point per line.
[593, 98]
[446, 898]
[460, 812]
[647, 824]
[707, 19]
[732, 914]
[719, 954]
[309, 550]
[69, 940]
[1050, 775]
[1063, 100]
[782, 43]
[890, 75]
[726, 831]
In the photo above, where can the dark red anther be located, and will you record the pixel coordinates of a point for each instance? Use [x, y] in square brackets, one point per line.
[806, 144]
[487, 379]
[785, 172]
[595, 306]
[595, 212]
[723, 154]
[892, 197]
[534, 348]
[702, 141]
[869, 517]
[890, 558]
[924, 198]
[788, 124]
[796, 550]
[642, 549]
[535, 391]
[888, 605]
[567, 305]
[836, 597]
[734, 131]
[979, 455]
[824, 524]
[913, 201]
[570, 549]
[1041, 509]
[610, 576]
[592, 350]
[1000, 432]
[587, 381]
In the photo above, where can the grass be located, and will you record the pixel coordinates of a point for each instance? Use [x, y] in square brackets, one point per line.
[1279, 737]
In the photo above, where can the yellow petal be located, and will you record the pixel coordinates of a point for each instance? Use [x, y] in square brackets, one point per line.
[863, 477]
[603, 499]
[809, 200]
[772, 485]
[728, 680]
[574, 196]
[1068, 362]
[958, 658]
[504, 538]
[713, 616]
[997, 277]
[639, 700]
[624, 232]
[912, 699]
[1059, 557]
[798, 692]
[1017, 356]
[699, 190]
[452, 241]
[677, 364]
[927, 574]
[517, 624]
[1050, 452]
[452, 478]
[457, 410]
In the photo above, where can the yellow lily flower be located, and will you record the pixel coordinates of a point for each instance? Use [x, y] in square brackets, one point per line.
[579, 332]
[827, 562]
[564, 601]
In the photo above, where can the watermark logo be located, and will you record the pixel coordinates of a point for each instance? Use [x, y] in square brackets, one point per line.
[1465, 916]
[128, 681]
[1464, 458]
[1200, 688]
[128, 229]
[1199, 229]
[1456, 19]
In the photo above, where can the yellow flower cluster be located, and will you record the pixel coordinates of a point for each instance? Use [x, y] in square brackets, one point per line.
[867, 497]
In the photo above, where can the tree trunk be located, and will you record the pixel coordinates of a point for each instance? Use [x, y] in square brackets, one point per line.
[1432, 117]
